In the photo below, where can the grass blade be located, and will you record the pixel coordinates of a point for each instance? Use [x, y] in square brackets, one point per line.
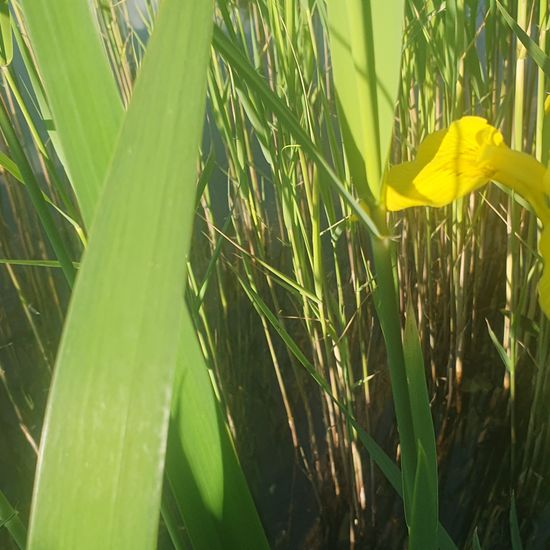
[242, 66]
[9, 518]
[381, 459]
[507, 362]
[100, 468]
[476, 544]
[423, 510]
[538, 56]
[25, 170]
[423, 513]
[514, 526]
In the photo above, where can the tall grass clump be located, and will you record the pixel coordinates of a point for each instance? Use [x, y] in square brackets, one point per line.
[245, 334]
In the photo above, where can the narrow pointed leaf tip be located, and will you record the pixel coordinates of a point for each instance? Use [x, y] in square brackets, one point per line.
[453, 162]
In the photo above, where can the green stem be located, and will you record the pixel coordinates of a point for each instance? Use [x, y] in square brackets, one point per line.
[387, 308]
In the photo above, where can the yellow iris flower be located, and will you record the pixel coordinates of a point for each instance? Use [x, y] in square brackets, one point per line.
[468, 154]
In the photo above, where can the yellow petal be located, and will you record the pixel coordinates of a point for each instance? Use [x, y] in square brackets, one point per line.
[401, 193]
[520, 172]
[430, 146]
[450, 164]
[544, 283]
[547, 181]
[453, 162]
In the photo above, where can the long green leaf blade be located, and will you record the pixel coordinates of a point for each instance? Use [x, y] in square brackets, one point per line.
[423, 515]
[9, 518]
[348, 94]
[388, 38]
[201, 468]
[533, 49]
[183, 433]
[422, 511]
[100, 469]
[365, 39]
[82, 93]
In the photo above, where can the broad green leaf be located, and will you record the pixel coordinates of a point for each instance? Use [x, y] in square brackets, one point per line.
[423, 482]
[423, 514]
[365, 40]
[200, 465]
[387, 310]
[100, 468]
[188, 444]
[387, 22]
[347, 94]
[82, 94]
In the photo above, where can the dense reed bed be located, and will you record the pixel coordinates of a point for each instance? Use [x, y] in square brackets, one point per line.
[257, 354]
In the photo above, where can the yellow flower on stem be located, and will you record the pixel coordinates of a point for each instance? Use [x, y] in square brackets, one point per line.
[467, 155]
